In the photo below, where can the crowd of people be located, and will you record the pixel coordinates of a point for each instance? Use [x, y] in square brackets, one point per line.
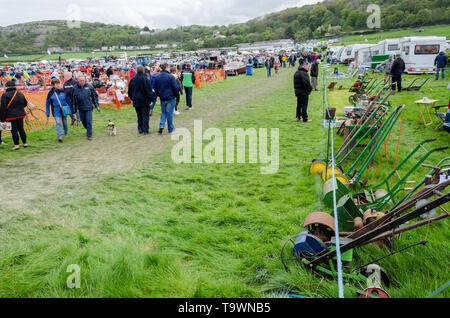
[76, 98]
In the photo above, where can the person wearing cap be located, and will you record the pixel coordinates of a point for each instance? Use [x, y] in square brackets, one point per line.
[12, 109]
[398, 67]
[387, 69]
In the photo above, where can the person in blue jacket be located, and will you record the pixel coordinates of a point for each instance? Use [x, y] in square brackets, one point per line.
[167, 89]
[85, 98]
[440, 62]
[155, 97]
[141, 93]
[56, 99]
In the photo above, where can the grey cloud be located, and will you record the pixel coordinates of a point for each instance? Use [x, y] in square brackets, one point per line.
[153, 13]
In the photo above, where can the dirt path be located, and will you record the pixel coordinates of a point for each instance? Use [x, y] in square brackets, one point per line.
[46, 173]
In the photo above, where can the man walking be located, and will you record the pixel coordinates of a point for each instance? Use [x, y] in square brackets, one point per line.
[398, 67]
[188, 80]
[140, 92]
[167, 90]
[440, 62]
[302, 88]
[314, 73]
[68, 86]
[268, 66]
[387, 69]
[85, 98]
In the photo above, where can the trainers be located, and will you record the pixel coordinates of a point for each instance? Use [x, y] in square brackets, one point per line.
[60, 140]
[176, 112]
[89, 138]
[160, 131]
[3, 143]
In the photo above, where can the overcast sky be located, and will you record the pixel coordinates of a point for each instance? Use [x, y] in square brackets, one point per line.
[156, 14]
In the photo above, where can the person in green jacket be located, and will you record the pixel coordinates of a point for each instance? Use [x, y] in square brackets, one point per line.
[188, 80]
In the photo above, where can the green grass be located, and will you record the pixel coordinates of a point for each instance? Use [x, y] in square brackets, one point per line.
[158, 229]
[377, 37]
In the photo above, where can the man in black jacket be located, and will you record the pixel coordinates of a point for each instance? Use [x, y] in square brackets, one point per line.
[68, 86]
[398, 67]
[302, 88]
[314, 73]
[140, 92]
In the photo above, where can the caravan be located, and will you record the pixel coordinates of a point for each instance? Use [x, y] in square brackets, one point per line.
[348, 54]
[419, 53]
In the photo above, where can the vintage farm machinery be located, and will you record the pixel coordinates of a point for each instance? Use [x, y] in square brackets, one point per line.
[361, 216]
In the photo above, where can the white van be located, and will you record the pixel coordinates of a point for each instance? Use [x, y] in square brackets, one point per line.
[419, 53]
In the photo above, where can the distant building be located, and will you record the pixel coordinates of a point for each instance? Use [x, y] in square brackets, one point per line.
[217, 35]
[161, 46]
[55, 49]
[104, 48]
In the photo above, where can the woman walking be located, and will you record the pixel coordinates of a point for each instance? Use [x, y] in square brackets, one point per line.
[12, 110]
[277, 65]
[57, 100]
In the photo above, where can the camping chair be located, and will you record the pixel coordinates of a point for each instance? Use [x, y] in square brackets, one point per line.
[442, 116]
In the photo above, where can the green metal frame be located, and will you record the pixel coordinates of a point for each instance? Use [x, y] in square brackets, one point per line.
[379, 203]
[375, 143]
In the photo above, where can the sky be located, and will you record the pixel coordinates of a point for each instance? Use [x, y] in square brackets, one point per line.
[156, 14]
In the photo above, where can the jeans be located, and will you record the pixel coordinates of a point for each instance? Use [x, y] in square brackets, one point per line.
[284, 64]
[167, 107]
[269, 70]
[143, 118]
[63, 121]
[442, 72]
[188, 91]
[314, 82]
[302, 107]
[154, 102]
[16, 130]
[86, 120]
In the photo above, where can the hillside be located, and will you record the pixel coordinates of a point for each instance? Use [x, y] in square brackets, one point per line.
[299, 23]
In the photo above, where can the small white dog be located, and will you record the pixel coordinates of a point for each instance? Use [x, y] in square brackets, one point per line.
[112, 128]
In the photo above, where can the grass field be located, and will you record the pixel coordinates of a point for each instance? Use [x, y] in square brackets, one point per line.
[377, 37]
[139, 225]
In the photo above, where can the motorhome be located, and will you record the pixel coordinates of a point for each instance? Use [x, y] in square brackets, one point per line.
[419, 53]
